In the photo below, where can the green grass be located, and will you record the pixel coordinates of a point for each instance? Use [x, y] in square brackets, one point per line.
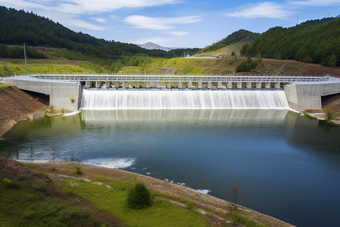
[30, 164]
[17, 67]
[161, 213]
[26, 202]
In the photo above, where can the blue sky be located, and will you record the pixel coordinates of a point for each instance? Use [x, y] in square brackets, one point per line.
[175, 23]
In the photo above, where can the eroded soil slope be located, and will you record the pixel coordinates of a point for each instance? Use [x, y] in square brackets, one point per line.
[16, 105]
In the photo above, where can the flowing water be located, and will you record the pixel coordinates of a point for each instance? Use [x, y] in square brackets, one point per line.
[287, 164]
[167, 99]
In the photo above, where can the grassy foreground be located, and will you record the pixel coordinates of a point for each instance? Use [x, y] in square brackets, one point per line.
[104, 191]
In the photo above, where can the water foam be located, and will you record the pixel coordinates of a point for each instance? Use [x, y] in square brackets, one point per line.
[113, 163]
[197, 99]
[204, 191]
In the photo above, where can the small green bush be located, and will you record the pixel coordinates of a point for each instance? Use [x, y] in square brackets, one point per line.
[78, 170]
[238, 218]
[329, 116]
[139, 197]
[72, 100]
[189, 204]
[62, 110]
[7, 182]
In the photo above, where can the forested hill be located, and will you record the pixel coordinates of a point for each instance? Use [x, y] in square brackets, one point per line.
[231, 39]
[17, 27]
[315, 41]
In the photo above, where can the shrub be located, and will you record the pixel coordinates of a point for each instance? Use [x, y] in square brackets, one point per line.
[139, 197]
[7, 182]
[78, 170]
[238, 218]
[189, 204]
[72, 100]
[329, 116]
[62, 110]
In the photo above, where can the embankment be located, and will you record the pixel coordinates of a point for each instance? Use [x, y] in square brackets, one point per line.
[16, 105]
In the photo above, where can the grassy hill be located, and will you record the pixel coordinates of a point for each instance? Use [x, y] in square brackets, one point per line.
[242, 36]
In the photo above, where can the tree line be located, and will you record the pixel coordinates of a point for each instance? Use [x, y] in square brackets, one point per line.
[314, 41]
[18, 52]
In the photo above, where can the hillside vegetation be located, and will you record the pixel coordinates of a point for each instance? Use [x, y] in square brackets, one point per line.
[315, 41]
[17, 27]
[233, 38]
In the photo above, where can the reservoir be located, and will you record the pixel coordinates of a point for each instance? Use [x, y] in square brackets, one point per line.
[288, 165]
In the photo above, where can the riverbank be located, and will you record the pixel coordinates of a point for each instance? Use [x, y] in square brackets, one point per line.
[16, 105]
[217, 210]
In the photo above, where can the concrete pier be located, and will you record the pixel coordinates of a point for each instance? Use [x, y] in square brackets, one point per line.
[137, 84]
[267, 85]
[117, 84]
[98, 84]
[168, 85]
[189, 84]
[148, 84]
[199, 84]
[88, 84]
[219, 85]
[248, 84]
[258, 85]
[239, 84]
[179, 84]
[277, 85]
[126, 84]
[230, 85]
[209, 85]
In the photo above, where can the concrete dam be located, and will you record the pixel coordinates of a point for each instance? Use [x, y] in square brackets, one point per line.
[179, 92]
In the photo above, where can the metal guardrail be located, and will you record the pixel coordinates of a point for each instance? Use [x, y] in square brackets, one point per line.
[176, 78]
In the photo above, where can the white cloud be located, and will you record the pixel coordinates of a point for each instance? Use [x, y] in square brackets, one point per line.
[159, 23]
[262, 10]
[178, 33]
[100, 20]
[316, 2]
[85, 6]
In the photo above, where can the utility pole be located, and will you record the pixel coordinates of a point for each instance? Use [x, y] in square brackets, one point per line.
[25, 59]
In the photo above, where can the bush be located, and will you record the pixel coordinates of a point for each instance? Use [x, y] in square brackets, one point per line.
[189, 204]
[139, 197]
[78, 170]
[329, 116]
[72, 100]
[7, 182]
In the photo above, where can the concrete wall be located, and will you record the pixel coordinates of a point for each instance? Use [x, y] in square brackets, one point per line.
[308, 96]
[60, 93]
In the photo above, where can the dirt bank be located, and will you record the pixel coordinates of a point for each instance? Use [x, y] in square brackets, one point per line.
[16, 105]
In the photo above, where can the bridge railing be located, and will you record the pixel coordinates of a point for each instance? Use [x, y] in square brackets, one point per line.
[180, 78]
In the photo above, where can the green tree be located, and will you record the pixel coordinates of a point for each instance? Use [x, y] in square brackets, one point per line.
[332, 61]
[139, 197]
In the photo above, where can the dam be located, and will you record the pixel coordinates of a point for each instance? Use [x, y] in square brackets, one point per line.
[179, 91]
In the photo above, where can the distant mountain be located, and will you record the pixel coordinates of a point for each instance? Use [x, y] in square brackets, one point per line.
[314, 41]
[154, 46]
[235, 37]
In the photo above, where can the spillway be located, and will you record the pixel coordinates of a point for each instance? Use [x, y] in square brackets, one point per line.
[196, 99]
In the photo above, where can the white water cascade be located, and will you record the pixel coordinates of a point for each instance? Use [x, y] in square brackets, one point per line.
[196, 99]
